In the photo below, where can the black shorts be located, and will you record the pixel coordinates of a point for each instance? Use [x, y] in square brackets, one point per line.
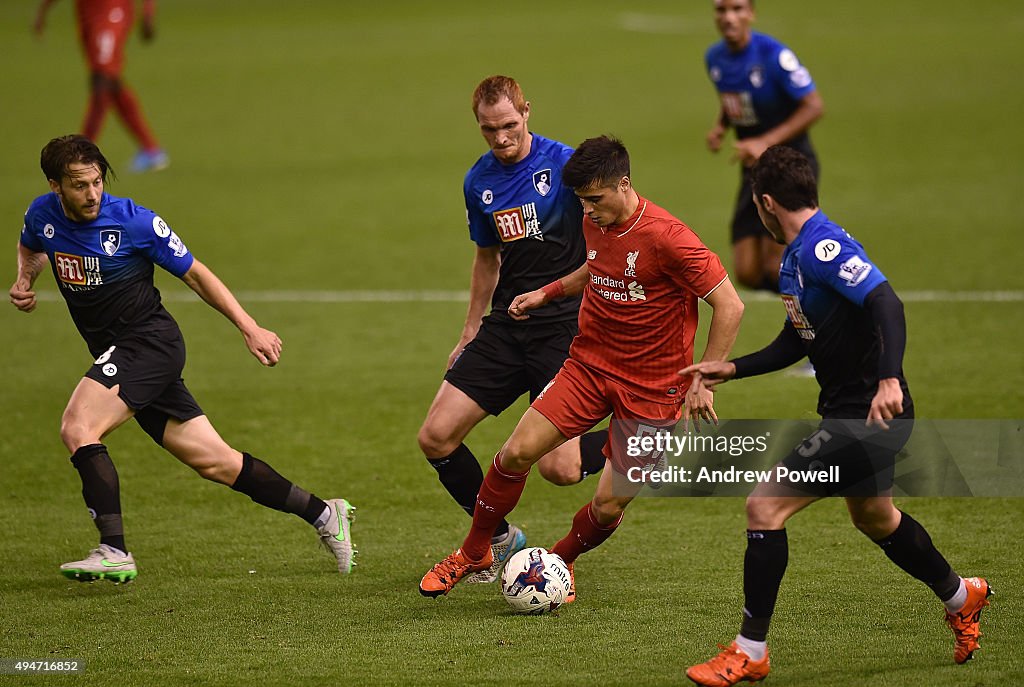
[147, 368]
[745, 220]
[505, 361]
[863, 459]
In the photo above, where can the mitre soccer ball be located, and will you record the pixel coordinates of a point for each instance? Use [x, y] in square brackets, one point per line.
[535, 581]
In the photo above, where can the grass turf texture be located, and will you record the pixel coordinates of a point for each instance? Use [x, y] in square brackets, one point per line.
[323, 147]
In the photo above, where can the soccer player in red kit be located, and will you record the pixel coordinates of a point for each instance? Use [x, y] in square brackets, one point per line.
[645, 271]
[103, 28]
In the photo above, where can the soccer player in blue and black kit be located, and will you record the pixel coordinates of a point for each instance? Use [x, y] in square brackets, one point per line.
[842, 313]
[102, 250]
[768, 98]
[528, 231]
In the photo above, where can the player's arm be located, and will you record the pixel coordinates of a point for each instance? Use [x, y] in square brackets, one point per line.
[39, 24]
[717, 132]
[264, 344]
[886, 311]
[30, 265]
[570, 285]
[785, 350]
[726, 314]
[147, 24]
[484, 278]
[810, 109]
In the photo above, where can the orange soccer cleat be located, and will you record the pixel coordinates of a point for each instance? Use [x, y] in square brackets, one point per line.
[442, 577]
[571, 596]
[728, 668]
[966, 622]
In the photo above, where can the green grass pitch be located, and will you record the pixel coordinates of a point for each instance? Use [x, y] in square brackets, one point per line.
[320, 146]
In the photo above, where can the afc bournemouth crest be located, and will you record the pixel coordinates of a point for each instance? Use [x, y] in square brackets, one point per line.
[110, 240]
[542, 181]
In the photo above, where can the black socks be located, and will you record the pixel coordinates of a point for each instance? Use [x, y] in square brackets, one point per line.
[912, 549]
[265, 486]
[461, 475]
[101, 491]
[764, 565]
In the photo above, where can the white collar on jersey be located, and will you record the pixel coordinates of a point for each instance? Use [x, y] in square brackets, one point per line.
[631, 226]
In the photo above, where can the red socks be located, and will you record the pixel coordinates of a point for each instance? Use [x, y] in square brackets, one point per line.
[128, 107]
[586, 534]
[498, 495]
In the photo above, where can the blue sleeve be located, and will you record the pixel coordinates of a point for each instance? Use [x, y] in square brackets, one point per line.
[480, 228]
[29, 238]
[158, 242]
[839, 262]
[785, 69]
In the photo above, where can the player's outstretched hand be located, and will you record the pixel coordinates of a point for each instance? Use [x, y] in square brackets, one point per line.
[525, 302]
[748, 151]
[887, 403]
[699, 405]
[264, 344]
[711, 373]
[23, 297]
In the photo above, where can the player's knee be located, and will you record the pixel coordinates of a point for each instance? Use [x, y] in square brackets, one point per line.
[516, 456]
[607, 510]
[561, 472]
[219, 471]
[434, 443]
[764, 514]
[876, 522]
[748, 275]
[75, 434]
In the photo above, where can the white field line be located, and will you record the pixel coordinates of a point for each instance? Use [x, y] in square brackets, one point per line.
[439, 296]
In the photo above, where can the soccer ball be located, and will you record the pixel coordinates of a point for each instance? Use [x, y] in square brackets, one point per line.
[535, 581]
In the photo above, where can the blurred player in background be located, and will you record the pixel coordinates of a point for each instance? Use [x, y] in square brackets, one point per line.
[103, 28]
[768, 98]
[843, 314]
[102, 250]
[645, 271]
[527, 228]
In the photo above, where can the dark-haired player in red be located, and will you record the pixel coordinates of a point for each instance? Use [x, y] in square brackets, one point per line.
[103, 28]
[645, 271]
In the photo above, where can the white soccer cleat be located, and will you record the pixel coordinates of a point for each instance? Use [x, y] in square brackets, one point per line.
[336, 535]
[514, 541]
[103, 563]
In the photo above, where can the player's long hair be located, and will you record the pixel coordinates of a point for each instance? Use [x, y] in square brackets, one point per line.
[602, 160]
[786, 175]
[62, 151]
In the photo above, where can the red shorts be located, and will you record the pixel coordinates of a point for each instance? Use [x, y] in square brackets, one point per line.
[578, 398]
[104, 28]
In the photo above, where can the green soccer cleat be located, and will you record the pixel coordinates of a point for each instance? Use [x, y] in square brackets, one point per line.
[103, 563]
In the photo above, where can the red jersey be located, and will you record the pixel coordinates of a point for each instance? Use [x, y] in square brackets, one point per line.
[639, 312]
[104, 27]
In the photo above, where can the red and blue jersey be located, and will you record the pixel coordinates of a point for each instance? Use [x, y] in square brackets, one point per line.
[104, 268]
[536, 221]
[760, 86]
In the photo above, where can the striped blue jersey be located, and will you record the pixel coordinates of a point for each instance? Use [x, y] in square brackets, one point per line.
[759, 86]
[536, 221]
[824, 278]
[104, 268]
